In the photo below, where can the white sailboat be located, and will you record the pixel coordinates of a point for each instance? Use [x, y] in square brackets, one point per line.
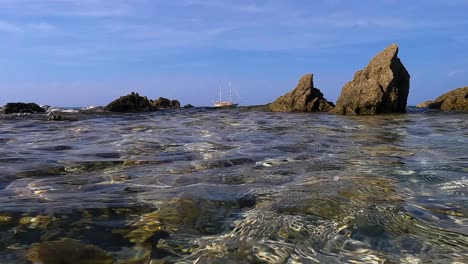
[222, 103]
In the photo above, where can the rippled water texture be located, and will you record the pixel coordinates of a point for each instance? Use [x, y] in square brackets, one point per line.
[235, 186]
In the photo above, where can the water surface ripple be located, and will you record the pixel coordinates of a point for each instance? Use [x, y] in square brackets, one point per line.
[235, 186]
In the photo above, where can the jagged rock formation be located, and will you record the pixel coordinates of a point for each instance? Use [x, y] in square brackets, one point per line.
[455, 100]
[163, 103]
[304, 98]
[130, 103]
[175, 104]
[14, 108]
[135, 103]
[382, 87]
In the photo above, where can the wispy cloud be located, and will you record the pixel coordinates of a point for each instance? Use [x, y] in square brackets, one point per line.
[42, 27]
[28, 28]
[143, 37]
[229, 5]
[66, 8]
[455, 73]
[9, 27]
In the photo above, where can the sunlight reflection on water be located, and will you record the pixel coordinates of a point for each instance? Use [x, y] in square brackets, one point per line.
[237, 185]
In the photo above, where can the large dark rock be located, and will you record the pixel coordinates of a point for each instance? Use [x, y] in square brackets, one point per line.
[382, 87]
[164, 103]
[14, 108]
[455, 100]
[304, 98]
[136, 103]
[130, 103]
[161, 103]
[175, 104]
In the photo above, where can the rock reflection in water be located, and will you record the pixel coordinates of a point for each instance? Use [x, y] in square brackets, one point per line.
[234, 186]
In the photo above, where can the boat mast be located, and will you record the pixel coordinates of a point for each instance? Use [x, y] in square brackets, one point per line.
[230, 92]
[220, 94]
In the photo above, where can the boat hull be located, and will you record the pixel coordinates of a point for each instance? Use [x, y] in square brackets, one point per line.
[224, 104]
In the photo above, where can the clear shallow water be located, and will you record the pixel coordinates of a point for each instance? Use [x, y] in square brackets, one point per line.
[235, 186]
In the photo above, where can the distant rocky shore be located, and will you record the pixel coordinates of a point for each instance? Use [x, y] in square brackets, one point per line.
[455, 100]
[380, 88]
[136, 103]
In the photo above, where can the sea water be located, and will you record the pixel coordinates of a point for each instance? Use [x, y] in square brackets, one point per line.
[234, 185]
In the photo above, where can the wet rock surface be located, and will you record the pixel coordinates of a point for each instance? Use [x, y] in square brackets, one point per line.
[130, 103]
[136, 103]
[164, 103]
[21, 108]
[381, 88]
[304, 98]
[68, 251]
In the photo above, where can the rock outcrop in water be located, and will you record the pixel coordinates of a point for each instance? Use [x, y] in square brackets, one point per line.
[455, 100]
[425, 104]
[304, 98]
[382, 87]
[175, 104]
[135, 103]
[130, 103]
[62, 118]
[164, 103]
[23, 108]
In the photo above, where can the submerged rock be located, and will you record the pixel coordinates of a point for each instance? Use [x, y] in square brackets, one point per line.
[130, 103]
[382, 87]
[455, 100]
[304, 98]
[68, 251]
[28, 108]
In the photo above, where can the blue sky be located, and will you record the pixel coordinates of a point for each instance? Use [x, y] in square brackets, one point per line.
[88, 52]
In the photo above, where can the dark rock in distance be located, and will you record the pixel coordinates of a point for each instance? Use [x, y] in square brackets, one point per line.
[382, 87]
[164, 103]
[130, 103]
[133, 102]
[188, 106]
[62, 118]
[426, 104]
[455, 100]
[15, 108]
[304, 98]
[175, 104]
[161, 103]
